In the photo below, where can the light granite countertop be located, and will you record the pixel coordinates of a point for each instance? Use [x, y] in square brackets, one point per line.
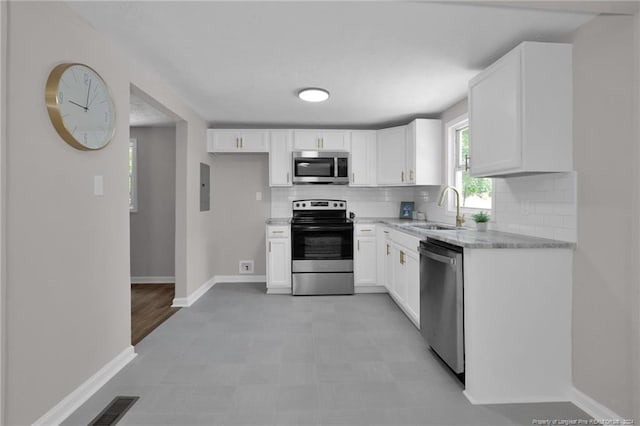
[468, 237]
[278, 221]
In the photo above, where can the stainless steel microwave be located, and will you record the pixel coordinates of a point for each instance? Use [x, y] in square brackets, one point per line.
[321, 167]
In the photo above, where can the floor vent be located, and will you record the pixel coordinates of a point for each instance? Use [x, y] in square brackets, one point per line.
[114, 411]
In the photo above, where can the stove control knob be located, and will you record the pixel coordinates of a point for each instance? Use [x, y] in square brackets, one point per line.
[304, 204]
[335, 204]
[297, 204]
[341, 205]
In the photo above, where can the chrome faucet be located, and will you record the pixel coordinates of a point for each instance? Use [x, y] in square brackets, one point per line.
[459, 219]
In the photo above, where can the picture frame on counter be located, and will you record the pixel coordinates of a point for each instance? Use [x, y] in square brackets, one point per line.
[406, 209]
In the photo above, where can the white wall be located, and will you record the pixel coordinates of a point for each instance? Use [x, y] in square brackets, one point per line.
[3, 141]
[238, 216]
[153, 224]
[67, 249]
[605, 155]
[70, 315]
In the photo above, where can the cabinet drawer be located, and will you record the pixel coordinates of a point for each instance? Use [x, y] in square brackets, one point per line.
[365, 230]
[408, 241]
[278, 232]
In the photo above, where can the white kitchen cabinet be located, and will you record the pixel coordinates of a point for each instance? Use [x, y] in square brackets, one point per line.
[329, 140]
[237, 141]
[411, 154]
[520, 112]
[382, 234]
[365, 255]
[363, 158]
[424, 152]
[517, 305]
[412, 268]
[278, 259]
[391, 155]
[280, 159]
[402, 272]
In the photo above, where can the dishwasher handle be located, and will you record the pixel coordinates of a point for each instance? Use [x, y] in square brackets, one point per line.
[438, 257]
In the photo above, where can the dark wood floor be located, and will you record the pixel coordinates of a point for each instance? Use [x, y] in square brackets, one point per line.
[150, 307]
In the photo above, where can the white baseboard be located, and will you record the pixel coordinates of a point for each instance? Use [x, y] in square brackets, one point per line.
[153, 280]
[240, 279]
[185, 302]
[514, 400]
[593, 407]
[370, 289]
[75, 399]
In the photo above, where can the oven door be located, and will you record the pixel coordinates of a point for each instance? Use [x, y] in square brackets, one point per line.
[322, 247]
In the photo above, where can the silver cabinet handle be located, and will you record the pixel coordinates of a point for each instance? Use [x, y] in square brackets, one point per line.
[269, 246]
[287, 177]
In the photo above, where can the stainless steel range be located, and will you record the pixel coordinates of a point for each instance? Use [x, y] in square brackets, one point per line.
[321, 248]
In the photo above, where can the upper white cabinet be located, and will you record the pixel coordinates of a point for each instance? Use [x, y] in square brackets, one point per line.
[424, 152]
[520, 112]
[411, 154]
[330, 140]
[280, 159]
[392, 149]
[237, 140]
[363, 158]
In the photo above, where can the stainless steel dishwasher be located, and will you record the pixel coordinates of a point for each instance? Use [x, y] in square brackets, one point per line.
[441, 301]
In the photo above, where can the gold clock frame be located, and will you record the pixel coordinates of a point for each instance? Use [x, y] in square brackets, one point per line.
[53, 108]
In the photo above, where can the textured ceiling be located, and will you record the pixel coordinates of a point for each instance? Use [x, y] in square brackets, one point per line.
[242, 63]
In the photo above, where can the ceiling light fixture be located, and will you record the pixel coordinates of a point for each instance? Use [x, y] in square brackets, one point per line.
[313, 94]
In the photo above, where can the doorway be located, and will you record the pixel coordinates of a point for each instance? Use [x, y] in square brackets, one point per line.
[152, 207]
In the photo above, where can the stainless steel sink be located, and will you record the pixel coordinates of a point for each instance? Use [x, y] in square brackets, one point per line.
[436, 227]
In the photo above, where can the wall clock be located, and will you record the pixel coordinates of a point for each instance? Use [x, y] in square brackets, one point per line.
[80, 106]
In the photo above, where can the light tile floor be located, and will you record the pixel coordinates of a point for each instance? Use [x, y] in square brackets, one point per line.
[240, 357]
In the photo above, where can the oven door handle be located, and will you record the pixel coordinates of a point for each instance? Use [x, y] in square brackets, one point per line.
[321, 228]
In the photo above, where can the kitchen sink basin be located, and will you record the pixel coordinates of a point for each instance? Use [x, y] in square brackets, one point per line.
[436, 227]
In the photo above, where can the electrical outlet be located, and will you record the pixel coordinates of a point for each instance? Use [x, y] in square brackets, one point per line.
[246, 266]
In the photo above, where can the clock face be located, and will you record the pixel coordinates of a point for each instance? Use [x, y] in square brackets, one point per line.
[80, 106]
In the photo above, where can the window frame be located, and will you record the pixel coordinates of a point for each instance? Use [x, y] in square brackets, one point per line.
[451, 130]
[133, 175]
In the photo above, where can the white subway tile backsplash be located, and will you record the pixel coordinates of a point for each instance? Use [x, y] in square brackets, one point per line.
[541, 205]
[364, 202]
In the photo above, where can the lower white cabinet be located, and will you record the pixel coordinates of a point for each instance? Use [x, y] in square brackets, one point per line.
[278, 259]
[402, 272]
[364, 256]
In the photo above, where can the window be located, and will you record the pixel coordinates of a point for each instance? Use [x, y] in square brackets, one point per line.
[475, 193]
[133, 181]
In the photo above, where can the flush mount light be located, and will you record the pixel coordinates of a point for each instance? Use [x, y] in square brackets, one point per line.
[313, 94]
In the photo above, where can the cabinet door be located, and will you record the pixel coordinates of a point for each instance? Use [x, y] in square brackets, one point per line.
[412, 268]
[234, 140]
[363, 147]
[306, 139]
[254, 141]
[400, 274]
[365, 261]
[389, 267]
[495, 118]
[391, 147]
[278, 263]
[424, 152]
[280, 159]
[334, 140]
[223, 140]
